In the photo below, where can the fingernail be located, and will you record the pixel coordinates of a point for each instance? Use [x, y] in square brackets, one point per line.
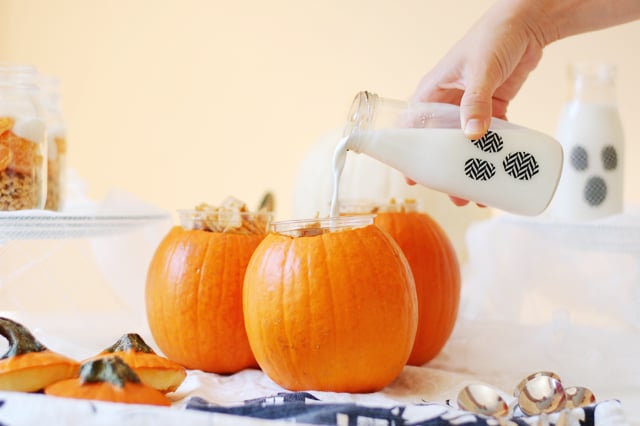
[474, 128]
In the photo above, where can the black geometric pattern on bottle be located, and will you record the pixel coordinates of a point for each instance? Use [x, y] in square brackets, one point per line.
[609, 157]
[478, 169]
[595, 191]
[579, 158]
[490, 142]
[518, 165]
[521, 165]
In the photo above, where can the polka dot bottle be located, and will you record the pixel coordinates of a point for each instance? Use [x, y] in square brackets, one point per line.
[590, 131]
[511, 168]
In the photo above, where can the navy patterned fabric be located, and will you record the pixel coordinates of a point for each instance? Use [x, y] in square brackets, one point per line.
[1, 404]
[304, 407]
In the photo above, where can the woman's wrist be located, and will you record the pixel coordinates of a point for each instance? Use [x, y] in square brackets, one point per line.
[547, 21]
[571, 17]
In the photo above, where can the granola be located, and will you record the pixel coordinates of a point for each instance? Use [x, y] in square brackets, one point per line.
[18, 191]
[55, 175]
[232, 216]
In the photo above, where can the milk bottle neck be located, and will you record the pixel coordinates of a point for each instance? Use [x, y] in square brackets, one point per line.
[360, 120]
[370, 113]
[593, 83]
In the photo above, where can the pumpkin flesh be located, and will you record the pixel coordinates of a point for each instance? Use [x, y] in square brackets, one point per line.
[28, 365]
[335, 312]
[108, 379]
[32, 378]
[158, 372]
[164, 376]
[131, 393]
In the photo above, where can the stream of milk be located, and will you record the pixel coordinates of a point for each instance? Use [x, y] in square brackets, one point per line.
[339, 159]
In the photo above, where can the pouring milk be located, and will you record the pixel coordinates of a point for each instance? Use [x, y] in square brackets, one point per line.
[511, 168]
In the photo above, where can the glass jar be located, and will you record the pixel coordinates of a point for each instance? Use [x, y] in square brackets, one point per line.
[22, 140]
[590, 131]
[56, 143]
[511, 167]
[313, 227]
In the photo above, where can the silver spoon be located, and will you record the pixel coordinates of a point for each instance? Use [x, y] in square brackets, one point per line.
[578, 396]
[540, 395]
[482, 399]
[518, 389]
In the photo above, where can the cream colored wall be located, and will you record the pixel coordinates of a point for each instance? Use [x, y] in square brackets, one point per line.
[187, 101]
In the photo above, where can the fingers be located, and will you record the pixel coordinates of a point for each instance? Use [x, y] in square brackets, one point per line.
[475, 111]
[459, 201]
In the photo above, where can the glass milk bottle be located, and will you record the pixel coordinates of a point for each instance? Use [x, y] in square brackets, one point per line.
[23, 152]
[511, 168]
[56, 143]
[590, 130]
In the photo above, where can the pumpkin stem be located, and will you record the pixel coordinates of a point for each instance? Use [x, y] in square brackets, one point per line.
[130, 342]
[20, 339]
[110, 369]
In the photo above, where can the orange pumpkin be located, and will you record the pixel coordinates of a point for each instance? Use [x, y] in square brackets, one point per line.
[194, 293]
[108, 379]
[332, 309]
[158, 372]
[28, 366]
[436, 273]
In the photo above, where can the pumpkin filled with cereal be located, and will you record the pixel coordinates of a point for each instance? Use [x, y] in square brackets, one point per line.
[194, 286]
[330, 305]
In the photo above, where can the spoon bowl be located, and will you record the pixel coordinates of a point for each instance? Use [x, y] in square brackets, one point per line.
[518, 389]
[578, 396]
[482, 399]
[541, 395]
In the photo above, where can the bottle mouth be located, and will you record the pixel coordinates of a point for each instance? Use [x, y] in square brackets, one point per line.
[314, 227]
[603, 72]
[361, 113]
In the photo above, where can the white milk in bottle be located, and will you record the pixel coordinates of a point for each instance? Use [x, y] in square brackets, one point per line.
[511, 168]
[590, 130]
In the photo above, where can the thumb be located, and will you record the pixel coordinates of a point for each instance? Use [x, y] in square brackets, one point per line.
[475, 110]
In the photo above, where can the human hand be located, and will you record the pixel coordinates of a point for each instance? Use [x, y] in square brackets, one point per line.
[485, 70]
[456, 200]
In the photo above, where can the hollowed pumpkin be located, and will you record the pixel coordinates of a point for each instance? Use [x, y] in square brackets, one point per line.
[436, 273]
[333, 308]
[194, 292]
[28, 366]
